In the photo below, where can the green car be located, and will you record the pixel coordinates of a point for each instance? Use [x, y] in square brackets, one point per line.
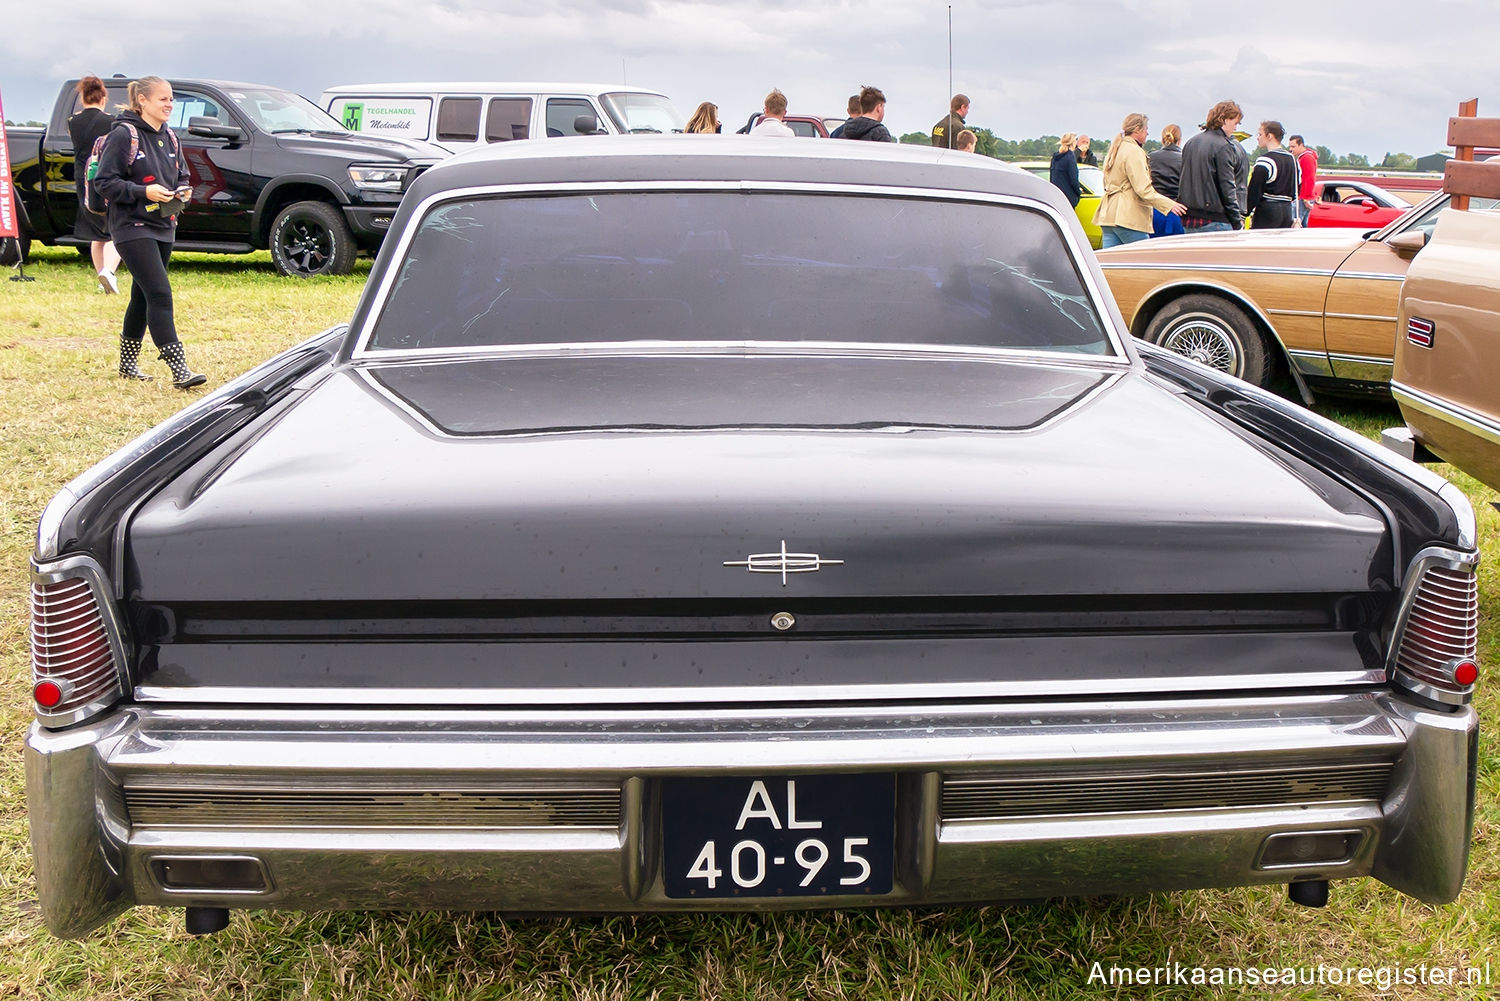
[1091, 180]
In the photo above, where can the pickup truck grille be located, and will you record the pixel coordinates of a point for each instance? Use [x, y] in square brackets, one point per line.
[520, 808]
[996, 797]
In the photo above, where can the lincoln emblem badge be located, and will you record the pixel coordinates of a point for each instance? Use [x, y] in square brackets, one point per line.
[783, 563]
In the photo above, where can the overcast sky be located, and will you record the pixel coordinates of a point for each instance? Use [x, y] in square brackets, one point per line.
[1369, 77]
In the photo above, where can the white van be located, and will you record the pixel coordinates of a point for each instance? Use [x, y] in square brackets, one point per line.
[460, 116]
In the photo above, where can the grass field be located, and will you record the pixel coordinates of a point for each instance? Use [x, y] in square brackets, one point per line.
[64, 409]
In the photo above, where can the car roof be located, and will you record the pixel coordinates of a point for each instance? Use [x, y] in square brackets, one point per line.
[486, 87]
[585, 159]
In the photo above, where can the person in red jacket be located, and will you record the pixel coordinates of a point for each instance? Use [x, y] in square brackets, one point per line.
[1307, 166]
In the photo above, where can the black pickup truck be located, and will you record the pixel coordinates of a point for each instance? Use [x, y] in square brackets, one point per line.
[270, 170]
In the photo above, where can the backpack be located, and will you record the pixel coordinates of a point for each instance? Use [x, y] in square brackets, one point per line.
[93, 198]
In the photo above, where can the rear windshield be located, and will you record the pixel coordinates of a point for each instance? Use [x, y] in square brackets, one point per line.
[737, 266]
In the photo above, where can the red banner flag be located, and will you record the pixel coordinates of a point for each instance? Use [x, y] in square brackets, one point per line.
[8, 225]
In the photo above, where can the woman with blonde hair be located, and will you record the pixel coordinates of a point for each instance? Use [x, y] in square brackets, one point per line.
[144, 177]
[1125, 210]
[1064, 170]
[705, 120]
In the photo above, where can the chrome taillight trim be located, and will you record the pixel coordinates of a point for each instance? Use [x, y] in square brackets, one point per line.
[1399, 668]
[105, 691]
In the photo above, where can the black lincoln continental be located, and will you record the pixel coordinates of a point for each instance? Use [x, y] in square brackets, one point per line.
[688, 524]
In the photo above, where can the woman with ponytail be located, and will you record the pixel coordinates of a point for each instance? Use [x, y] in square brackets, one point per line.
[1124, 213]
[84, 128]
[145, 180]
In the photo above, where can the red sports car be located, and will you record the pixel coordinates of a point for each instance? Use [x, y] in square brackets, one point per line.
[1360, 204]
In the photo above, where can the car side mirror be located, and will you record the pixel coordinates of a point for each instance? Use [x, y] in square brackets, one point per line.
[212, 128]
[586, 125]
[1364, 202]
[1407, 244]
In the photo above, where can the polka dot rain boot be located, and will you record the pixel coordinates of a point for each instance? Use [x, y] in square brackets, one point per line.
[130, 353]
[182, 376]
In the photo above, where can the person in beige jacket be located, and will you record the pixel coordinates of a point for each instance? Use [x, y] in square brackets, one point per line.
[1124, 213]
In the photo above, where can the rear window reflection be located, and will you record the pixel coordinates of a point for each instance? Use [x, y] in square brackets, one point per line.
[732, 266]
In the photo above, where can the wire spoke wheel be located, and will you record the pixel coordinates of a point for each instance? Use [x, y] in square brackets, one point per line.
[1215, 332]
[1206, 343]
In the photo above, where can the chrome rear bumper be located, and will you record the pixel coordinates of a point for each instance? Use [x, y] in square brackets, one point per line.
[559, 812]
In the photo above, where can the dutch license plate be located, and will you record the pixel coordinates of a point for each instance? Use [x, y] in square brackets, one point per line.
[798, 835]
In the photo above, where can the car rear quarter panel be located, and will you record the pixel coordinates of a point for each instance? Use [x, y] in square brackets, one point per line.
[1453, 284]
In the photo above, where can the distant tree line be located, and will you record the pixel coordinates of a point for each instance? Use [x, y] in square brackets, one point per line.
[1042, 148]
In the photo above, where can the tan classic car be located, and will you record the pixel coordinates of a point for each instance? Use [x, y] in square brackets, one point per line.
[1319, 305]
[1448, 345]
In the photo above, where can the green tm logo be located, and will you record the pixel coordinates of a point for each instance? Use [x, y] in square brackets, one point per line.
[354, 116]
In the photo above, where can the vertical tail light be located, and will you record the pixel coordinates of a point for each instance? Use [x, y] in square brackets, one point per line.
[77, 647]
[1435, 645]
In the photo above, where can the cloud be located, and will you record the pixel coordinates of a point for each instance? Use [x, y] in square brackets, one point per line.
[1355, 76]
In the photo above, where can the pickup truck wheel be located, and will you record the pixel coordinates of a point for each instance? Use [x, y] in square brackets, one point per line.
[1213, 332]
[311, 238]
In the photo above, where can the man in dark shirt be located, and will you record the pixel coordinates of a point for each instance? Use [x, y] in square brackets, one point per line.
[853, 112]
[871, 113]
[945, 132]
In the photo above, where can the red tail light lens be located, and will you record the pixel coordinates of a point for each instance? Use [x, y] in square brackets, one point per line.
[76, 652]
[1437, 635]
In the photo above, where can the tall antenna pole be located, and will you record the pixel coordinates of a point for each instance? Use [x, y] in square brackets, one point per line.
[624, 80]
[950, 65]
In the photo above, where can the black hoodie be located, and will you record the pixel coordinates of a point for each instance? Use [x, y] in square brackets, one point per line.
[132, 216]
[867, 129]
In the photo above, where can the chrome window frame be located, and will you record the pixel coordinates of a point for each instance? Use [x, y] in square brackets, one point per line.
[89, 570]
[362, 352]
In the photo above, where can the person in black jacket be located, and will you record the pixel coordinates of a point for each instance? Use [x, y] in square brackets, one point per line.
[872, 113]
[144, 178]
[1064, 170]
[1166, 174]
[854, 111]
[1272, 195]
[1208, 184]
[1166, 163]
[84, 128]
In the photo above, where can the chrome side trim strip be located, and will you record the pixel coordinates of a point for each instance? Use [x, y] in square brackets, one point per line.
[1311, 313]
[730, 694]
[1081, 262]
[1371, 276]
[1222, 268]
[1361, 359]
[1359, 316]
[1485, 427]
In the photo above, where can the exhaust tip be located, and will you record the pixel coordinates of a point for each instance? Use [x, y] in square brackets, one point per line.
[206, 920]
[1308, 892]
